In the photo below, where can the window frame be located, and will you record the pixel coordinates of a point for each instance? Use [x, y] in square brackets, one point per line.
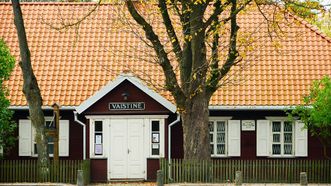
[92, 138]
[282, 134]
[34, 153]
[215, 120]
[282, 120]
[161, 142]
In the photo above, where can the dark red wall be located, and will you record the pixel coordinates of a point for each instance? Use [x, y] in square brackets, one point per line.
[152, 166]
[177, 141]
[135, 95]
[98, 170]
[75, 135]
[248, 138]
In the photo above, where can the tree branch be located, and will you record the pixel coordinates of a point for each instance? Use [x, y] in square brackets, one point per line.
[186, 65]
[174, 4]
[171, 80]
[232, 53]
[171, 31]
[219, 8]
[78, 22]
[235, 12]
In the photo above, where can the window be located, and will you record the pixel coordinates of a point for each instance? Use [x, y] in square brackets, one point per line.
[49, 125]
[278, 137]
[224, 136]
[282, 138]
[155, 138]
[217, 135]
[27, 142]
[98, 137]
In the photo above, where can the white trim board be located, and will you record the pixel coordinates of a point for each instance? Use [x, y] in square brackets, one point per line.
[215, 107]
[113, 84]
[127, 116]
[43, 107]
[253, 107]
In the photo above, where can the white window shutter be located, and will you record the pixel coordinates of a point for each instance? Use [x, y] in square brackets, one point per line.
[64, 138]
[234, 138]
[262, 142]
[25, 138]
[301, 139]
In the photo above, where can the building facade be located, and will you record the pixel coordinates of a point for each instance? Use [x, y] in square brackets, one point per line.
[115, 112]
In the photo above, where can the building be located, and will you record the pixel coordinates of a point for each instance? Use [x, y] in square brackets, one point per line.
[115, 112]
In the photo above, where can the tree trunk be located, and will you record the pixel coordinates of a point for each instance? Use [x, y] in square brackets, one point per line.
[32, 93]
[195, 128]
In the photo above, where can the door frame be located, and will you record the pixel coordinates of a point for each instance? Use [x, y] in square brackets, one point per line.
[146, 140]
[142, 159]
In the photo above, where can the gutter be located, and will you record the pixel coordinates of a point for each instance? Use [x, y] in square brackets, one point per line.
[84, 133]
[216, 107]
[253, 107]
[43, 107]
[169, 142]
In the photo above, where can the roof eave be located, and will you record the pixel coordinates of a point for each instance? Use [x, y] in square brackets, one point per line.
[43, 107]
[253, 107]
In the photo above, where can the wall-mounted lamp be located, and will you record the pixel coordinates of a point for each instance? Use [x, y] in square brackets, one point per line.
[125, 96]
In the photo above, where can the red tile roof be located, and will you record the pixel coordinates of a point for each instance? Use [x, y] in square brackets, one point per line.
[71, 67]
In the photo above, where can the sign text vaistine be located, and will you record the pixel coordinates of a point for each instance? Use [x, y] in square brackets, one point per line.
[126, 106]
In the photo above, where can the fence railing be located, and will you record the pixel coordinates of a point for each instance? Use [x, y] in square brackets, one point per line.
[253, 171]
[65, 171]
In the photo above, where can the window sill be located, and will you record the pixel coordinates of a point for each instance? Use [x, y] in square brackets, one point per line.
[36, 155]
[98, 157]
[155, 157]
[220, 156]
[280, 156]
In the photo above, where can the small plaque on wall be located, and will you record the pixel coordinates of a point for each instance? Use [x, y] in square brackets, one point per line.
[248, 125]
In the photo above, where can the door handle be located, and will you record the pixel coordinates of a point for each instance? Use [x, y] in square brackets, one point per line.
[128, 151]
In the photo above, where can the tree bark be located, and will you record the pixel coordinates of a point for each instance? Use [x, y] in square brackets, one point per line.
[32, 93]
[195, 119]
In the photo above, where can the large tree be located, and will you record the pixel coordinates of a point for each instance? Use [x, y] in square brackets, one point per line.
[196, 46]
[7, 125]
[32, 92]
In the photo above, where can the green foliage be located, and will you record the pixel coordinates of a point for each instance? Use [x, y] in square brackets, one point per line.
[313, 12]
[7, 126]
[323, 22]
[308, 9]
[316, 113]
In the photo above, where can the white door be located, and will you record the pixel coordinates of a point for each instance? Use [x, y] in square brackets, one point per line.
[126, 155]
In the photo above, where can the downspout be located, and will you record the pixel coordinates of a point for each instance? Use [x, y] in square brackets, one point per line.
[169, 142]
[84, 133]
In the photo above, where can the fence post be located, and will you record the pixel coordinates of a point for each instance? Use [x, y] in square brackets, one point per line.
[80, 178]
[239, 178]
[159, 178]
[303, 179]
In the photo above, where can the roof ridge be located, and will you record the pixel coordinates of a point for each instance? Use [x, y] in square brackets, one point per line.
[311, 27]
